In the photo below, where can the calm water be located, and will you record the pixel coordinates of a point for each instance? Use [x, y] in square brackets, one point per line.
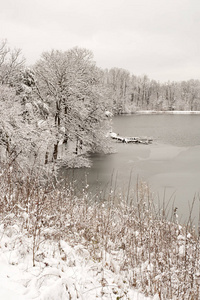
[170, 165]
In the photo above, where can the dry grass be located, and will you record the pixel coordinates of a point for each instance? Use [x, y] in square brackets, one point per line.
[151, 253]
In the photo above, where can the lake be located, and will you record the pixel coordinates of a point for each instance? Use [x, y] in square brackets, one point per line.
[170, 165]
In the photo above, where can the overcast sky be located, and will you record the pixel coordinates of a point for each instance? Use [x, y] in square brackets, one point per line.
[160, 38]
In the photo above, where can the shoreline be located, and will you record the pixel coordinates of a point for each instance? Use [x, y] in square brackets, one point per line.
[169, 112]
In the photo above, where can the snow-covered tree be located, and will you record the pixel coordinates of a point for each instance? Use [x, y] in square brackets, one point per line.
[69, 83]
[11, 62]
[24, 136]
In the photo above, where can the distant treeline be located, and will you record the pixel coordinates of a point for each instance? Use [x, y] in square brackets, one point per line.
[129, 93]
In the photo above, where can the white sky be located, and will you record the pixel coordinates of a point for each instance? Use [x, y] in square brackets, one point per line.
[160, 38]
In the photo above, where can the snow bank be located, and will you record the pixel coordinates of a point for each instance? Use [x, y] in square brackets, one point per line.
[61, 272]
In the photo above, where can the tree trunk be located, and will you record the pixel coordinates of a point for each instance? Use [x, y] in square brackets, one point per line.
[55, 151]
[46, 158]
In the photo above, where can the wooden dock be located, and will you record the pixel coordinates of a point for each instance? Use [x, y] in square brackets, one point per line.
[127, 140]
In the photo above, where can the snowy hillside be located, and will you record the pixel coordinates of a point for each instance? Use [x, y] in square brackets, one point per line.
[60, 272]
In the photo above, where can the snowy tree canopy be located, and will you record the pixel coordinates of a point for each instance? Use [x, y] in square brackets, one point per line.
[69, 83]
[11, 62]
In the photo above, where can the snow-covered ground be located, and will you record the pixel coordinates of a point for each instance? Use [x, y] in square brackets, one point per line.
[60, 271]
[54, 245]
